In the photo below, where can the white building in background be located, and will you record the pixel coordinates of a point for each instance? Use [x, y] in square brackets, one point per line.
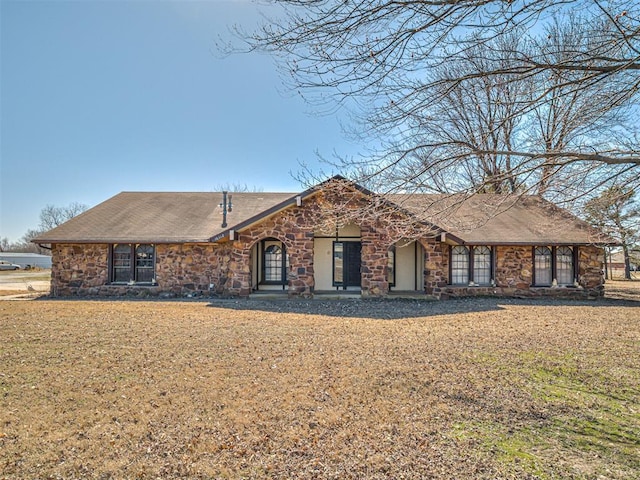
[27, 260]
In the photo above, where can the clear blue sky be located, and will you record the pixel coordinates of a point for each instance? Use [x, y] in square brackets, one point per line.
[102, 97]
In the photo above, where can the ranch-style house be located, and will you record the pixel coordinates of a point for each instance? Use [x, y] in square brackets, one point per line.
[335, 237]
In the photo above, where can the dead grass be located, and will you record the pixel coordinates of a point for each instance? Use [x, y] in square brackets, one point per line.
[623, 289]
[9, 293]
[189, 390]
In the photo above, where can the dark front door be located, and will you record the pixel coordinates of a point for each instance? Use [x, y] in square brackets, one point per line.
[346, 264]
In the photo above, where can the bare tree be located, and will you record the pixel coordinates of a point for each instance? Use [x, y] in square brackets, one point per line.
[615, 213]
[26, 244]
[52, 216]
[379, 59]
[575, 113]
[236, 188]
[460, 139]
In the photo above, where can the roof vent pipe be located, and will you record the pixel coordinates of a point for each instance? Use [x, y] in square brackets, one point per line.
[223, 206]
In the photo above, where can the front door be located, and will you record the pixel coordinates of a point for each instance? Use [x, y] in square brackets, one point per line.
[346, 264]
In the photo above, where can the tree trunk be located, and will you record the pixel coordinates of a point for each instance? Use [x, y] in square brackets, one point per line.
[627, 262]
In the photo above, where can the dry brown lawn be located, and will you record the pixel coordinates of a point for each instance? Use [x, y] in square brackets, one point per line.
[477, 388]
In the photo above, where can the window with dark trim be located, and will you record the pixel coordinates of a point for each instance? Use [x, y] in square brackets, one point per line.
[121, 263]
[542, 266]
[273, 265]
[391, 266]
[132, 263]
[482, 273]
[565, 273]
[554, 266]
[471, 265]
[145, 255]
[459, 265]
[338, 263]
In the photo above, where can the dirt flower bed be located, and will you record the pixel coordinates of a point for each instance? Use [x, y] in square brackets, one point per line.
[479, 388]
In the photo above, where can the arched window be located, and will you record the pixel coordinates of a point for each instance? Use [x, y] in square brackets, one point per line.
[564, 266]
[542, 266]
[274, 271]
[482, 265]
[459, 265]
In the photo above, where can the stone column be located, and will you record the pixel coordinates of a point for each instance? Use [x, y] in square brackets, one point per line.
[590, 269]
[435, 266]
[238, 280]
[301, 273]
[374, 261]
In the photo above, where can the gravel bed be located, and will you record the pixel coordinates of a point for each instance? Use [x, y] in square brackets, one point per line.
[400, 308]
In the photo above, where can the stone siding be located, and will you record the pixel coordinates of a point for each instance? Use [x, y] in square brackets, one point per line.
[188, 269]
[436, 267]
[225, 268]
[374, 260]
[180, 270]
[78, 269]
[514, 268]
[294, 228]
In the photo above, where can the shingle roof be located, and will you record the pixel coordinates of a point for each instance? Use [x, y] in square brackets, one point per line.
[191, 217]
[160, 217]
[497, 219]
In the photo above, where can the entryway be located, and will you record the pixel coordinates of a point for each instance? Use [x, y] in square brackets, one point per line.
[347, 259]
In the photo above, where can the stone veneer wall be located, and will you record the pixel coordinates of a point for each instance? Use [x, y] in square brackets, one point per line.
[78, 269]
[294, 228]
[82, 269]
[191, 268]
[374, 260]
[436, 266]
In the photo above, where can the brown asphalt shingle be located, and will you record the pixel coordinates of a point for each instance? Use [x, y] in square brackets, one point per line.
[160, 217]
[183, 217]
[484, 219]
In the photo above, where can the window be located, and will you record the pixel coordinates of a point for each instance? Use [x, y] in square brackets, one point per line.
[471, 265]
[144, 263]
[121, 263]
[554, 266]
[391, 266]
[542, 266]
[482, 265]
[125, 270]
[564, 266]
[273, 264]
[459, 265]
[338, 263]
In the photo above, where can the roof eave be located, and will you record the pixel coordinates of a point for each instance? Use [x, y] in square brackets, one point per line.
[154, 241]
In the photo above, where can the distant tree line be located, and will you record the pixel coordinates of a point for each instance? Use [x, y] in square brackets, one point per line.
[50, 217]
